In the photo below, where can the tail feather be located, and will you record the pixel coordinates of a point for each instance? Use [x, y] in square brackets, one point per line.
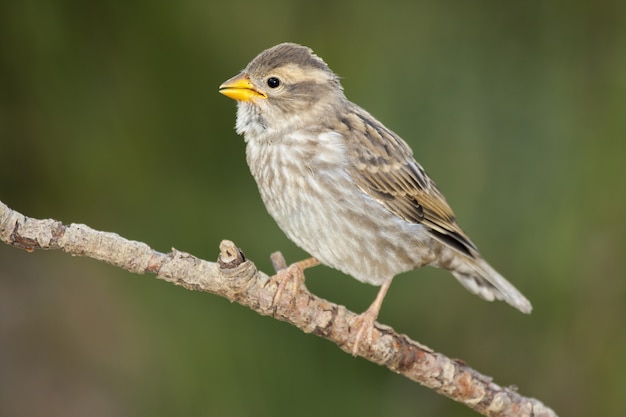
[487, 283]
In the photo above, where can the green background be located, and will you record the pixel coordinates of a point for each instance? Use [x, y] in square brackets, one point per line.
[110, 116]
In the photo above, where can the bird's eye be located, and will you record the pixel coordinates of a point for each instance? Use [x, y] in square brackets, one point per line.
[273, 82]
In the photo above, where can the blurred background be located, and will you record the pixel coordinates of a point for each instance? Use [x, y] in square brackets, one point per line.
[110, 116]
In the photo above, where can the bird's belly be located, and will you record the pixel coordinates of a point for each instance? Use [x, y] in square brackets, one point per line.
[327, 215]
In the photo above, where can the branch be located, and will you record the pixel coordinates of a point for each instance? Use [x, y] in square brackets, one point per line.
[237, 279]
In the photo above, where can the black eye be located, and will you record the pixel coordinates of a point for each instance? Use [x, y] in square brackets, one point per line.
[273, 82]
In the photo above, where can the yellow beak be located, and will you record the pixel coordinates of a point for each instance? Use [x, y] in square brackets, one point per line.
[240, 88]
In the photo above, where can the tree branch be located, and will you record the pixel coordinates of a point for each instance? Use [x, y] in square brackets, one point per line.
[237, 279]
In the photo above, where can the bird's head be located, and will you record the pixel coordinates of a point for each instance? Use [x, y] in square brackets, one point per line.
[285, 86]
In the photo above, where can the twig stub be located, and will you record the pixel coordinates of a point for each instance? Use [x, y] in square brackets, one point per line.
[230, 255]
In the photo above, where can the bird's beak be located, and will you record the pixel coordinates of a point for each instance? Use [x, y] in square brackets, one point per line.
[240, 88]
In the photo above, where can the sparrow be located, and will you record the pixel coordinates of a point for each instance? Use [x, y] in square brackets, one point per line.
[344, 187]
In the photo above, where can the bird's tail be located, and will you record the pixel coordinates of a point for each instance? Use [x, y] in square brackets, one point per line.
[487, 283]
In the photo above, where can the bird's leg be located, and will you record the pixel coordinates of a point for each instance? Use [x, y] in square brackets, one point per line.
[293, 273]
[364, 322]
[307, 263]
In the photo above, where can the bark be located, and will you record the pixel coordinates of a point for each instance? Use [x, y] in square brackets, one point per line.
[282, 296]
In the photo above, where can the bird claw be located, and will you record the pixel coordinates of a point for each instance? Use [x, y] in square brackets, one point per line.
[294, 273]
[364, 322]
[364, 325]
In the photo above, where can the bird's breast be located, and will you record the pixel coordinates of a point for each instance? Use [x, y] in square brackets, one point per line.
[303, 181]
[290, 167]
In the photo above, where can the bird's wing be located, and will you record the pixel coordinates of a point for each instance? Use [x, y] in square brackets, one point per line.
[383, 166]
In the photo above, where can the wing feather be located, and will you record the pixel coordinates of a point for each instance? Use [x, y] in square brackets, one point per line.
[384, 168]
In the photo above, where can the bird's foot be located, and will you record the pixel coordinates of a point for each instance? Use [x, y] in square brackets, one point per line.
[364, 322]
[364, 326]
[293, 274]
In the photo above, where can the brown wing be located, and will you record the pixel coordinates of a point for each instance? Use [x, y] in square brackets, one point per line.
[384, 168]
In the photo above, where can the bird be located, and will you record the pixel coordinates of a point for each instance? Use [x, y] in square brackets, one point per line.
[344, 187]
